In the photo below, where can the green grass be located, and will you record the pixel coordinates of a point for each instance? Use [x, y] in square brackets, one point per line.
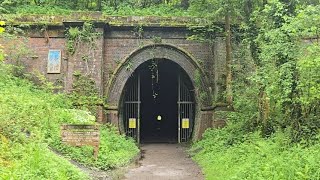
[156, 10]
[48, 10]
[114, 151]
[123, 10]
[255, 157]
[34, 161]
[30, 120]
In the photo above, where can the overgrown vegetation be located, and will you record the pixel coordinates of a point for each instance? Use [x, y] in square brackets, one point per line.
[227, 155]
[272, 83]
[114, 150]
[107, 7]
[274, 132]
[30, 119]
[82, 42]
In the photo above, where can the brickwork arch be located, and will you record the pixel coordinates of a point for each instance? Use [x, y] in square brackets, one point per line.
[159, 51]
[203, 94]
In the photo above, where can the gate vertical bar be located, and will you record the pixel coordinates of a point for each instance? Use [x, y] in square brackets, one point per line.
[138, 115]
[185, 110]
[132, 108]
[179, 112]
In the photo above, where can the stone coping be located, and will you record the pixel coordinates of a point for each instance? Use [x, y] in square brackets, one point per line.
[99, 18]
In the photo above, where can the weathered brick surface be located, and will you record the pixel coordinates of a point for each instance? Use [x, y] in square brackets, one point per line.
[111, 49]
[120, 44]
[219, 68]
[204, 122]
[33, 54]
[88, 60]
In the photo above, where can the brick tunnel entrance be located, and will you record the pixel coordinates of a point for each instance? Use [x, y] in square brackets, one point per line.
[158, 101]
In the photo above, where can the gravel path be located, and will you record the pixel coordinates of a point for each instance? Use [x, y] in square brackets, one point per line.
[164, 162]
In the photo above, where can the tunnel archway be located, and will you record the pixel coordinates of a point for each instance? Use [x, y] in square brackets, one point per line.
[126, 69]
[159, 100]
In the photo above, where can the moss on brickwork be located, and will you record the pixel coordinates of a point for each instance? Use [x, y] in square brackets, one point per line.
[96, 17]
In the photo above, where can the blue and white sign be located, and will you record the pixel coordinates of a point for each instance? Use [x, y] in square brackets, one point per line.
[54, 61]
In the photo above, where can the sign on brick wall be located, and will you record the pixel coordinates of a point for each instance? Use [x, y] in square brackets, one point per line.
[54, 61]
[81, 135]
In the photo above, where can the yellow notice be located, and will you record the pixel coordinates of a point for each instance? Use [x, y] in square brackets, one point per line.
[132, 123]
[185, 123]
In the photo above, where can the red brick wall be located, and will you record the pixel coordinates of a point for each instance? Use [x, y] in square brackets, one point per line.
[117, 49]
[108, 53]
[110, 49]
[33, 53]
[93, 66]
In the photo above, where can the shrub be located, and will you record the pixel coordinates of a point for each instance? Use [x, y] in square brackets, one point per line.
[30, 120]
[256, 157]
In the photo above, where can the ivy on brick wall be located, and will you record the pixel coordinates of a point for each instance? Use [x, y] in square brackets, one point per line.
[86, 35]
[85, 94]
[84, 91]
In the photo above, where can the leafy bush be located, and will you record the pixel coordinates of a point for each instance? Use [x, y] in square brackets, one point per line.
[114, 150]
[35, 161]
[49, 10]
[155, 10]
[256, 157]
[123, 9]
[30, 120]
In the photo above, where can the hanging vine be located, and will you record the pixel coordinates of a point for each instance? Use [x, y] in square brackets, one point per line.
[79, 37]
[154, 68]
[138, 32]
[81, 44]
[154, 78]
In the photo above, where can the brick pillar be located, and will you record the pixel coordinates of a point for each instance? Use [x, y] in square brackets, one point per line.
[220, 115]
[220, 119]
[206, 121]
[100, 114]
[112, 117]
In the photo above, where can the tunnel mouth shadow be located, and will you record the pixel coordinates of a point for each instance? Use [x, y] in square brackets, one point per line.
[158, 97]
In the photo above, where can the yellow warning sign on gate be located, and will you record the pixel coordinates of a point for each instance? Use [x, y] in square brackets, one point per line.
[132, 123]
[185, 123]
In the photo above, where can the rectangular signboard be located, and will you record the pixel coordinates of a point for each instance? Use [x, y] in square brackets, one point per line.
[185, 123]
[132, 123]
[81, 135]
[54, 61]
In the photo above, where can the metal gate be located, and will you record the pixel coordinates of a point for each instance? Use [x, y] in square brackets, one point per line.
[132, 108]
[185, 111]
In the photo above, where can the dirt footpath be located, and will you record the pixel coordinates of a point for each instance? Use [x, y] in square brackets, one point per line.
[164, 162]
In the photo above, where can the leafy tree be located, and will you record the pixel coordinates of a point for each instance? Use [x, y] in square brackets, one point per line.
[217, 10]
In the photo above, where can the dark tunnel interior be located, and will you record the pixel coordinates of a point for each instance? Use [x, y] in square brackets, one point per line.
[164, 104]
[158, 98]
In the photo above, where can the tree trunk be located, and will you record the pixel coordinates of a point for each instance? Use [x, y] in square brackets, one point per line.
[184, 4]
[228, 60]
